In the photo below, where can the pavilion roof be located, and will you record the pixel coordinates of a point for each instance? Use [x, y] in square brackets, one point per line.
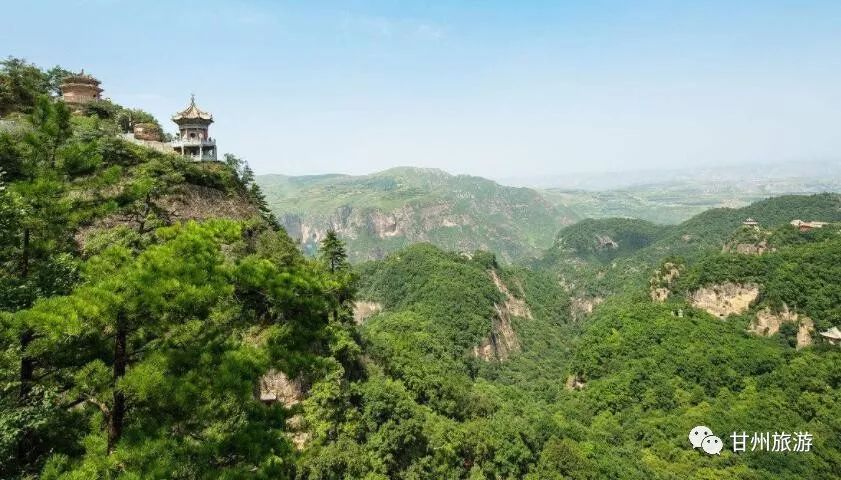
[833, 333]
[192, 112]
[81, 77]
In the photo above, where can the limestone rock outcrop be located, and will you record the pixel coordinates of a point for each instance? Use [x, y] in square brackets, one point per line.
[768, 322]
[276, 387]
[362, 310]
[575, 382]
[582, 306]
[502, 340]
[660, 285]
[723, 300]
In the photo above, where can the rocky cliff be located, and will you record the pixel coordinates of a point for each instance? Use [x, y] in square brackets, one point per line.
[380, 213]
[503, 340]
[723, 300]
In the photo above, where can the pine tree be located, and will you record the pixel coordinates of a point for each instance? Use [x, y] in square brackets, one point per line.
[20, 85]
[334, 257]
[172, 370]
[155, 179]
[333, 253]
[51, 122]
[139, 357]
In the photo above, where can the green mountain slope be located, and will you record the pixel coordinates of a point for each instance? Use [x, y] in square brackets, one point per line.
[610, 396]
[606, 239]
[798, 272]
[154, 321]
[385, 211]
[462, 370]
[651, 377]
[709, 230]
[583, 267]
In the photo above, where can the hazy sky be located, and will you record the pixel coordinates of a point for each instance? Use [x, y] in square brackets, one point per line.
[492, 88]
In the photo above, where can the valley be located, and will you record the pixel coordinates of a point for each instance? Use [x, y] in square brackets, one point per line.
[609, 390]
[382, 212]
[167, 315]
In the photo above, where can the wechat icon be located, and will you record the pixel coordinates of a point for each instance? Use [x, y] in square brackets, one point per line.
[702, 437]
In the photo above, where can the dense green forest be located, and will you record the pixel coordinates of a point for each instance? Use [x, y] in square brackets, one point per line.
[132, 340]
[141, 340]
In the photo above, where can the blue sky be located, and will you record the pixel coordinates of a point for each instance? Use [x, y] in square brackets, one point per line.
[491, 88]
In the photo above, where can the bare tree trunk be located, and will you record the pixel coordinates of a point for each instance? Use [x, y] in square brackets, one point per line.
[24, 260]
[27, 364]
[141, 227]
[118, 411]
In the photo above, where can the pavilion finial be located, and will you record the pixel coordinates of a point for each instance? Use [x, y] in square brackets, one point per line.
[192, 98]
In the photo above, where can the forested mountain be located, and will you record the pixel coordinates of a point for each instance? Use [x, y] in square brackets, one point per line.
[385, 211]
[154, 318]
[380, 213]
[633, 246]
[612, 393]
[606, 239]
[157, 322]
[495, 376]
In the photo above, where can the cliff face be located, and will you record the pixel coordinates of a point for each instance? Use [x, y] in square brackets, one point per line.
[580, 307]
[380, 213]
[768, 322]
[353, 223]
[503, 340]
[661, 284]
[186, 202]
[194, 202]
[725, 299]
[362, 310]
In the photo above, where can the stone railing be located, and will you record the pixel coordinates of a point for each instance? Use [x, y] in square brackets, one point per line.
[193, 142]
[203, 156]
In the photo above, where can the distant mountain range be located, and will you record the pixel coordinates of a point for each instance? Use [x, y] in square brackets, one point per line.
[383, 212]
[678, 200]
[782, 178]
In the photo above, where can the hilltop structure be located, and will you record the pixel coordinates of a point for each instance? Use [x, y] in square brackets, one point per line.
[80, 89]
[193, 137]
[807, 226]
[832, 336]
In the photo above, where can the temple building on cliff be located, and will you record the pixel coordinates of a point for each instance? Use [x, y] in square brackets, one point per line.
[79, 89]
[193, 139]
[193, 133]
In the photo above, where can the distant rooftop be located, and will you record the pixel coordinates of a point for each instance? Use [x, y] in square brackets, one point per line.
[801, 223]
[80, 78]
[833, 333]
